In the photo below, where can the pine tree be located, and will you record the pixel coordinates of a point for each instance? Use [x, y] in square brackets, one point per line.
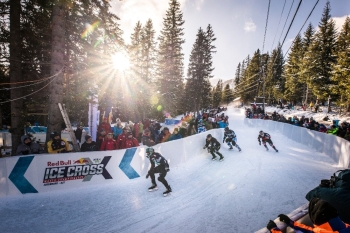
[209, 50]
[322, 52]
[294, 87]
[307, 62]
[217, 93]
[197, 72]
[148, 67]
[251, 78]
[227, 95]
[238, 74]
[341, 71]
[135, 51]
[170, 58]
[275, 81]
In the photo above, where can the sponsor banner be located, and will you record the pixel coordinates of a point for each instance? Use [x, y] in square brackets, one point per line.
[51, 172]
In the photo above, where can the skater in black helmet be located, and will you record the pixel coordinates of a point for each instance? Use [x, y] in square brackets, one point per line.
[213, 147]
[158, 165]
[265, 137]
[231, 138]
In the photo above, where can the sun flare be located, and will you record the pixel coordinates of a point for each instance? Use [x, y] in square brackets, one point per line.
[120, 61]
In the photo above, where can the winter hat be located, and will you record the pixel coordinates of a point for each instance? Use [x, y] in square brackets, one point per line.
[87, 137]
[321, 211]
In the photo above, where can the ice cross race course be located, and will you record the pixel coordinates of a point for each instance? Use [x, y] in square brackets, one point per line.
[239, 194]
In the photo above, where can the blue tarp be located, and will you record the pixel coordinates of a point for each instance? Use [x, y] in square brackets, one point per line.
[169, 121]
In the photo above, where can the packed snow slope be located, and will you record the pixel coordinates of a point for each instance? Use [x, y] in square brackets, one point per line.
[239, 194]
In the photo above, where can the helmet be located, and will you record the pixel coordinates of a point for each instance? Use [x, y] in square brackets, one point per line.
[54, 134]
[261, 132]
[149, 152]
[209, 136]
[226, 128]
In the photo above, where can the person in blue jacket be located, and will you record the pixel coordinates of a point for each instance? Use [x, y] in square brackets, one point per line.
[175, 135]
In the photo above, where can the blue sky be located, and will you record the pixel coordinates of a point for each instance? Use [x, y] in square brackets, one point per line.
[238, 24]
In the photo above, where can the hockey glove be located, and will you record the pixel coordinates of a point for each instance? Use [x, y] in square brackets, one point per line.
[284, 218]
[271, 225]
[167, 169]
[204, 147]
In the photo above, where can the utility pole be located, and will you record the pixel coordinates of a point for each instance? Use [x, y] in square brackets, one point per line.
[263, 76]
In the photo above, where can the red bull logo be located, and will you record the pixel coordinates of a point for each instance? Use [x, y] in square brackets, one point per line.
[81, 161]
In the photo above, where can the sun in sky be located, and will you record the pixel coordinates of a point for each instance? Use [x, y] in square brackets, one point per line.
[120, 61]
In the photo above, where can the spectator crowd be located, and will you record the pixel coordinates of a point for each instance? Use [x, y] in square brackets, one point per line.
[341, 130]
[123, 135]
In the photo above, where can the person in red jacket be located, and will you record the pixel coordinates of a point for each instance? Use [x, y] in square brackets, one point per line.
[130, 141]
[105, 126]
[322, 214]
[109, 143]
[121, 138]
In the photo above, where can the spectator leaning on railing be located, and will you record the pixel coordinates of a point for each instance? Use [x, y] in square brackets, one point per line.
[28, 147]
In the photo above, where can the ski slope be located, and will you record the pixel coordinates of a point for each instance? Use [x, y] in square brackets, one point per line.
[239, 194]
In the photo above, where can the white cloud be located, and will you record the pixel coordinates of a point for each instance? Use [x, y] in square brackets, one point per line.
[131, 11]
[339, 21]
[249, 26]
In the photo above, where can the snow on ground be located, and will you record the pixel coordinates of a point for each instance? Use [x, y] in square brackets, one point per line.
[317, 116]
[239, 194]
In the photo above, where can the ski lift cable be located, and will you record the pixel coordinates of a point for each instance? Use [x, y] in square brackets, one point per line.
[267, 20]
[291, 23]
[278, 24]
[34, 81]
[11, 88]
[290, 9]
[302, 27]
[245, 90]
[28, 94]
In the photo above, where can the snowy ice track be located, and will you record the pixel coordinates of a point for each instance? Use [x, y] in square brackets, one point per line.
[239, 194]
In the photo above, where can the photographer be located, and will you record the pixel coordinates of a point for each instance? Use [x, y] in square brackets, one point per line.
[336, 192]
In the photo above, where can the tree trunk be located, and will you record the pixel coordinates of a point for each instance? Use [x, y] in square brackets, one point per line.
[57, 65]
[17, 122]
[306, 95]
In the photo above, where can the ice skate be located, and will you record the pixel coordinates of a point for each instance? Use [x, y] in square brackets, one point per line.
[214, 158]
[167, 192]
[276, 150]
[230, 148]
[267, 149]
[221, 159]
[153, 188]
[239, 149]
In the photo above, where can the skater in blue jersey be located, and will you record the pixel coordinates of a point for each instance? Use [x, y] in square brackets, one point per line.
[230, 138]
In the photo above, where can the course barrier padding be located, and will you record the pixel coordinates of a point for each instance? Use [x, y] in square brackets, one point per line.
[51, 172]
[335, 147]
